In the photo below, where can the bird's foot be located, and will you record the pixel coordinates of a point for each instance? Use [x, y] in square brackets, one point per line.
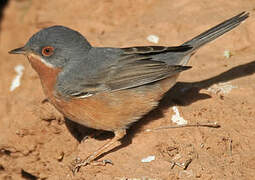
[78, 163]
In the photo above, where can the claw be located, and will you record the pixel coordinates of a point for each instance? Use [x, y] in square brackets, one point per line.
[84, 139]
[107, 161]
[101, 163]
[78, 163]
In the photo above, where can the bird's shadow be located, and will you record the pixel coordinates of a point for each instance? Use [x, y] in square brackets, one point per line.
[3, 5]
[182, 94]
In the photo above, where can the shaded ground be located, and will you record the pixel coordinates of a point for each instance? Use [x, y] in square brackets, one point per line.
[45, 148]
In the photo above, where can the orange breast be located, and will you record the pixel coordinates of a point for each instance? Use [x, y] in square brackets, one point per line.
[115, 110]
[108, 110]
[48, 75]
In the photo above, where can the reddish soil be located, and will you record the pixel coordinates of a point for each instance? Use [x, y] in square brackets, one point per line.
[35, 142]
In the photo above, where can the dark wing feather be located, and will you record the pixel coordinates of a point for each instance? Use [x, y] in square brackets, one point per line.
[149, 50]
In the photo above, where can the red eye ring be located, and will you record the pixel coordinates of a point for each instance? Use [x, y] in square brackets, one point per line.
[47, 51]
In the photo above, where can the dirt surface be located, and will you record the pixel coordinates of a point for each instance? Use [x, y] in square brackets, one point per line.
[36, 143]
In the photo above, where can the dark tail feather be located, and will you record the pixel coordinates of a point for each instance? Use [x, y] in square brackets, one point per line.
[216, 31]
[179, 68]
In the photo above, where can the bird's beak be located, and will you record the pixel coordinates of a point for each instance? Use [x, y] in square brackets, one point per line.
[21, 50]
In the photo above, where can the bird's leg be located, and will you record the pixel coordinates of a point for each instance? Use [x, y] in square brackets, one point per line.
[118, 134]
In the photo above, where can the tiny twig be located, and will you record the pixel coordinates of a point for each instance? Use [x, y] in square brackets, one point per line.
[230, 146]
[187, 163]
[61, 156]
[184, 166]
[209, 125]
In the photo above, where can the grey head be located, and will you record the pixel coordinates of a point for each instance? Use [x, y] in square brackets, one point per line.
[56, 45]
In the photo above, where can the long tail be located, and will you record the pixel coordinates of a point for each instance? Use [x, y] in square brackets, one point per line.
[216, 31]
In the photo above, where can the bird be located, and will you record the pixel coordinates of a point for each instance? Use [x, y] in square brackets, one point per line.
[108, 88]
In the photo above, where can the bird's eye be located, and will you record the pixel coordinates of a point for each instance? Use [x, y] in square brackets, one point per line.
[47, 51]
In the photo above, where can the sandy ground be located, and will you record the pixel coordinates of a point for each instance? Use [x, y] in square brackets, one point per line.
[36, 143]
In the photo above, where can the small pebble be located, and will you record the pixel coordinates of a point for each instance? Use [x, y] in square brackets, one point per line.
[153, 38]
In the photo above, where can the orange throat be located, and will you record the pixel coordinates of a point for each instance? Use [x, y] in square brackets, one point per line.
[47, 74]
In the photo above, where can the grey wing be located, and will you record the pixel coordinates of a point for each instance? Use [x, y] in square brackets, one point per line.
[137, 71]
[133, 67]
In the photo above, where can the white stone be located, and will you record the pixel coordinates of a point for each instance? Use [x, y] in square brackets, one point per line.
[153, 38]
[176, 118]
[16, 81]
